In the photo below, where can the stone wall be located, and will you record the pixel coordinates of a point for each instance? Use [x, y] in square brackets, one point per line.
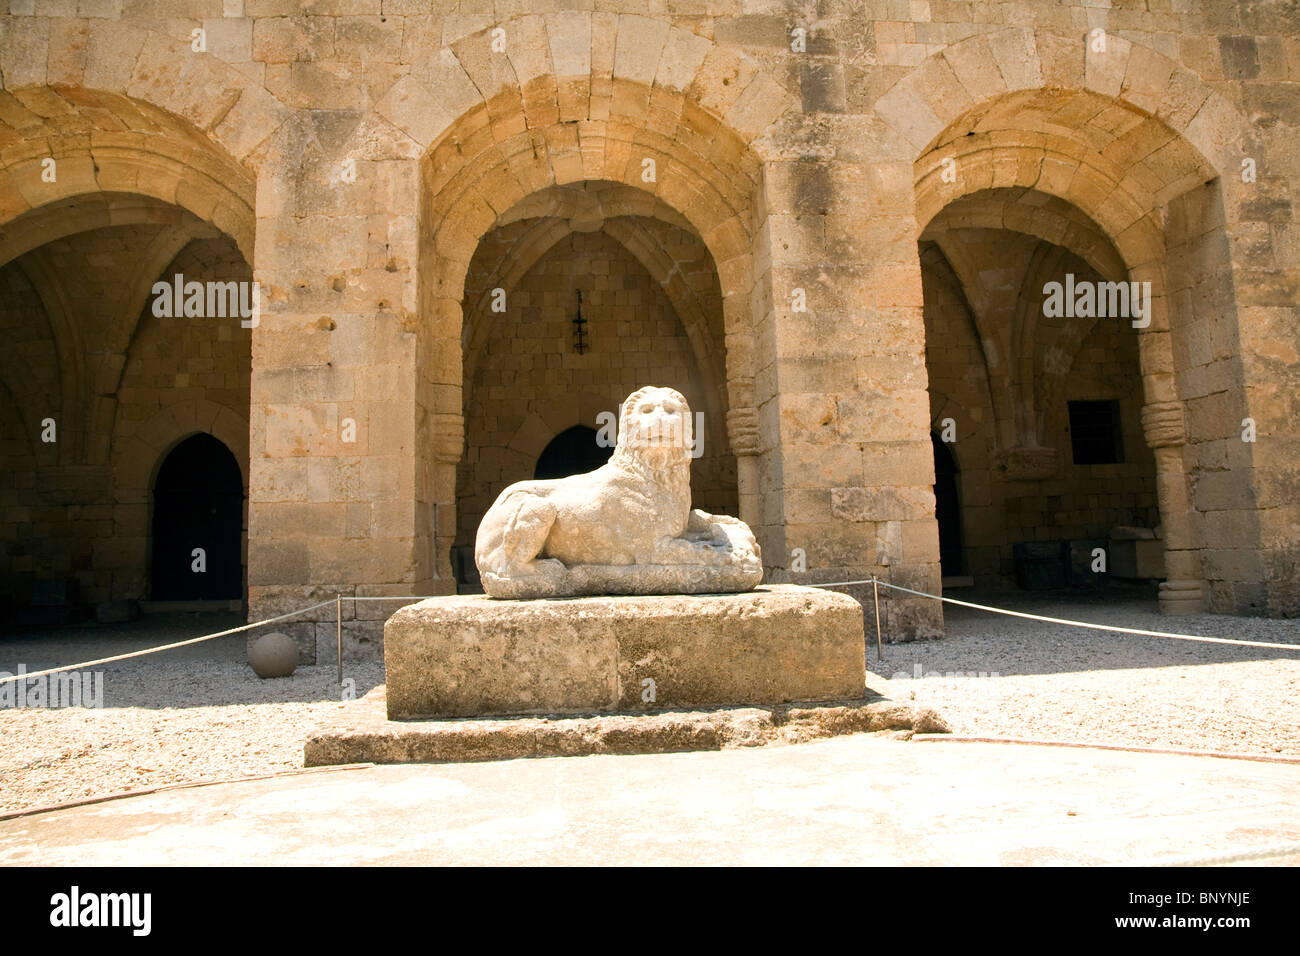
[357, 154]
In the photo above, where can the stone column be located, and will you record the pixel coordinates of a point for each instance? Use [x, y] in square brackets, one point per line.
[1182, 591]
[332, 454]
[440, 426]
[846, 469]
[448, 431]
[742, 432]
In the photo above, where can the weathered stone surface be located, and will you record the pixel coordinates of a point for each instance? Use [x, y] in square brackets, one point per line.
[386, 166]
[273, 655]
[470, 655]
[625, 528]
[364, 734]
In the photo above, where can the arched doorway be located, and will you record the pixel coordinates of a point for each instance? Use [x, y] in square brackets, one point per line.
[574, 451]
[947, 509]
[1045, 407]
[499, 291]
[198, 504]
[648, 293]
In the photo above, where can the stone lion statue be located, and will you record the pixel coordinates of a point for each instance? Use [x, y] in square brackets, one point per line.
[625, 528]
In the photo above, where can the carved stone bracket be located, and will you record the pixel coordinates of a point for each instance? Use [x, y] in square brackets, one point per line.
[1162, 424]
[1031, 464]
[742, 430]
[74, 484]
[448, 437]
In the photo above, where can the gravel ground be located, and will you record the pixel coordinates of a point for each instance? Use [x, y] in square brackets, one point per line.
[201, 713]
[194, 713]
[1064, 683]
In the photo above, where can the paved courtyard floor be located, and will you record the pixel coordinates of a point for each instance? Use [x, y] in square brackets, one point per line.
[199, 713]
[852, 800]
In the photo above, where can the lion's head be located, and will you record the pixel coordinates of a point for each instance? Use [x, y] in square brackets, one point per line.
[654, 431]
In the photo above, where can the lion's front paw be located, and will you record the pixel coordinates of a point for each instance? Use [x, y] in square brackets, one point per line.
[717, 552]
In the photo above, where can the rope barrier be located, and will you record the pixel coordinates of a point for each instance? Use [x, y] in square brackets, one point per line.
[164, 647]
[1061, 620]
[206, 637]
[875, 582]
[1259, 853]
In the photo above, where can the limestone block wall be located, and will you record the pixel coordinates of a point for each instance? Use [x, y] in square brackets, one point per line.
[847, 470]
[332, 434]
[1086, 501]
[356, 154]
[1224, 475]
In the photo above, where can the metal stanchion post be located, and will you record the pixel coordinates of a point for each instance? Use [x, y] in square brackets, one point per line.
[338, 632]
[875, 593]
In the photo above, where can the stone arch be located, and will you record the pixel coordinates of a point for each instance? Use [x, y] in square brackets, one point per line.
[576, 97]
[575, 450]
[556, 215]
[1068, 232]
[1119, 135]
[120, 161]
[525, 367]
[158, 72]
[136, 459]
[116, 149]
[1037, 214]
[544, 425]
[985, 69]
[602, 87]
[212, 400]
[199, 499]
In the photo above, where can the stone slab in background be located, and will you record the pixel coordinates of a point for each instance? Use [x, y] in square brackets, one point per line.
[117, 612]
[1080, 556]
[54, 592]
[470, 655]
[361, 733]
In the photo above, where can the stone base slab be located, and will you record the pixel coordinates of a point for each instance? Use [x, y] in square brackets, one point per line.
[363, 734]
[470, 655]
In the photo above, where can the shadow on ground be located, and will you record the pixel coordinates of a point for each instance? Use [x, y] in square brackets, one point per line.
[211, 673]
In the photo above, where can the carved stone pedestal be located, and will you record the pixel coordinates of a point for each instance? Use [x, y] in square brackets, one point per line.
[470, 655]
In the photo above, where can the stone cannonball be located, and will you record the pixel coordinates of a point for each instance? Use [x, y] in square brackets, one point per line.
[273, 655]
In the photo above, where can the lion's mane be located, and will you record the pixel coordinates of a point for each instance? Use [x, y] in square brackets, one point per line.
[668, 466]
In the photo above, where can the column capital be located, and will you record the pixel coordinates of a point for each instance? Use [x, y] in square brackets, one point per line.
[448, 434]
[1162, 424]
[742, 431]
